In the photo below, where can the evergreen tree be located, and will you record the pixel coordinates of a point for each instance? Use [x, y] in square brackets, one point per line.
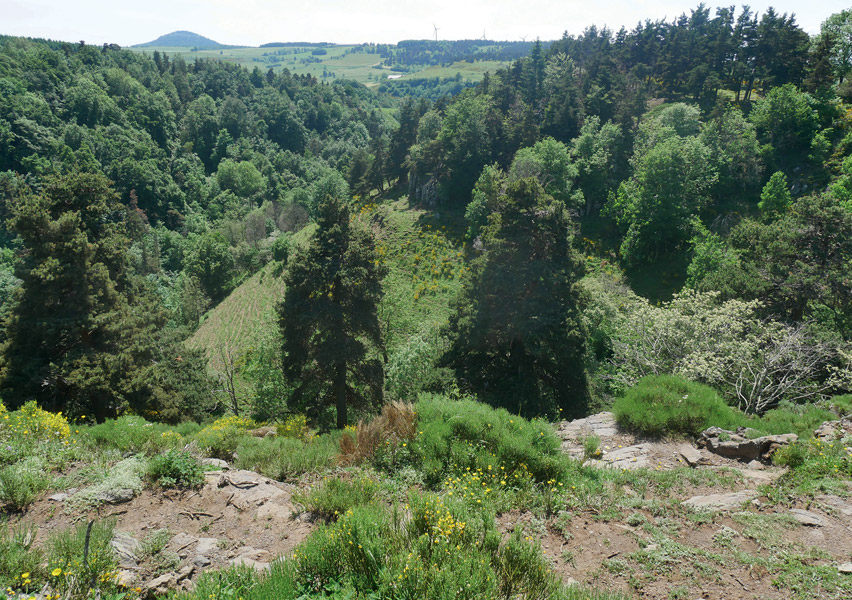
[328, 319]
[517, 337]
[83, 335]
[775, 197]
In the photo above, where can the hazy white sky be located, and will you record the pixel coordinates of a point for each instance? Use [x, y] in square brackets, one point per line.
[254, 22]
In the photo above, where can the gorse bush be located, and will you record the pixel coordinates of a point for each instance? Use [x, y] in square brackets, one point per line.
[176, 468]
[41, 425]
[295, 426]
[222, 437]
[462, 436]
[667, 405]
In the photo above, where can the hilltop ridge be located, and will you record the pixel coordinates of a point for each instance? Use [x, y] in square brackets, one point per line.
[183, 39]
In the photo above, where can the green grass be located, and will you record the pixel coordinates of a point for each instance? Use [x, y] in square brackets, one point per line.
[287, 459]
[19, 555]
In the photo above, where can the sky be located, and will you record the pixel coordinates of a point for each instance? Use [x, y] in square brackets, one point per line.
[255, 22]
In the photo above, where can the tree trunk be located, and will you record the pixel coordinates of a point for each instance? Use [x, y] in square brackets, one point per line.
[340, 394]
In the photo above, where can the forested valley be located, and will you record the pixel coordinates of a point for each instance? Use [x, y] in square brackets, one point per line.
[467, 341]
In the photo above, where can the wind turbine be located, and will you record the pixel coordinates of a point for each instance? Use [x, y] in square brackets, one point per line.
[436, 30]
[523, 38]
[483, 35]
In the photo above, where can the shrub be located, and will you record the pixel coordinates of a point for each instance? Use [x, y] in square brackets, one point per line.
[333, 497]
[667, 405]
[591, 446]
[284, 458]
[21, 483]
[465, 436]
[176, 468]
[816, 467]
[38, 424]
[221, 438]
[295, 426]
[18, 555]
[522, 568]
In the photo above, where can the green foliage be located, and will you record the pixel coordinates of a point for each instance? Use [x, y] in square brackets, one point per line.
[175, 468]
[124, 475]
[785, 119]
[334, 497]
[516, 336]
[65, 551]
[666, 405]
[22, 482]
[549, 162]
[285, 458]
[210, 261]
[775, 197]
[816, 467]
[19, 555]
[328, 318]
[221, 438]
[671, 183]
[136, 435]
[461, 436]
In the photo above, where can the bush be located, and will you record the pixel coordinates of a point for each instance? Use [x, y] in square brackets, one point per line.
[465, 436]
[285, 458]
[176, 468]
[38, 424]
[392, 427]
[21, 483]
[295, 426]
[333, 497]
[667, 405]
[221, 439]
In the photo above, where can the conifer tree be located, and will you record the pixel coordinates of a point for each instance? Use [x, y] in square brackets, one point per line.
[517, 337]
[328, 319]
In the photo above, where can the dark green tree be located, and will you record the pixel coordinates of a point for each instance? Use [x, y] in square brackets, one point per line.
[332, 341]
[517, 337]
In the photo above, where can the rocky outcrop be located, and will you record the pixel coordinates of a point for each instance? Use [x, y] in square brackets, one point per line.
[737, 444]
[834, 430]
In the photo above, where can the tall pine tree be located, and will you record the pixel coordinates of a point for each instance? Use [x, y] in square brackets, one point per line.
[517, 337]
[332, 338]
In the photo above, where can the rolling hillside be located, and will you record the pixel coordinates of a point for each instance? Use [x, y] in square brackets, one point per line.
[182, 39]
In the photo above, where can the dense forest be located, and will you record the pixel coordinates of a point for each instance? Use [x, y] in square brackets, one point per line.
[706, 157]
[589, 318]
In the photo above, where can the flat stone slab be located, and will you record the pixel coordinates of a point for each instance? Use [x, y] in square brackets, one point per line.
[808, 518]
[601, 425]
[845, 568]
[721, 502]
[837, 503]
[206, 545]
[692, 455]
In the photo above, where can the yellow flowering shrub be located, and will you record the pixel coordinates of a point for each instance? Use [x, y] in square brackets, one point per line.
[222, 437]
[232, 421]
[295, 426]
[35, 423]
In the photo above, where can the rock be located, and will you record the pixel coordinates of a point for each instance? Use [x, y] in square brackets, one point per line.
[206, 545]
[836, 503]
[182, 540]
[601, 425]
[739, 446]
[845, 568]
[834, 430]
[118, 496]
[265, 431]
[569, 581]
[201, 561]
[721, 502]
[756, 465]
[162, 584]
[61, 497]
[692, 456]
[248, 562]
[185, 573]
[808, 518]
[215, 462]
[126, 578]
[274, 512]
[127, 548]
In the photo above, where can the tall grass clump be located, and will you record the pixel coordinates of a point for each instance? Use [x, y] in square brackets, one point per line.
[222, 438]
[390, 429]
[334, 496]
[76, 572]
[22, 482]
[131, 433]
[18, 555]
[668, 405]
[286, 458]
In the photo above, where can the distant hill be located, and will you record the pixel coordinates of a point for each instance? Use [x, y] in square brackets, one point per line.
[184, 39]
